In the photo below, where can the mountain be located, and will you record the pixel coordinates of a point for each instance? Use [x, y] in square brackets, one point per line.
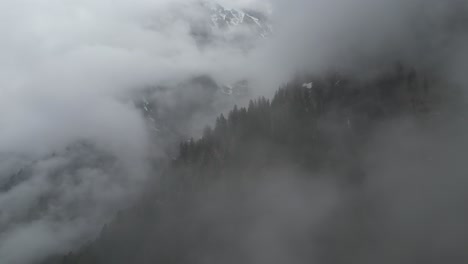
[199, 100]
[259, 178]
[241, 28]
[222, 18]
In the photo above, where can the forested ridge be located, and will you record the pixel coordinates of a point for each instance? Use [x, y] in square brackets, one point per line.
[314, 128]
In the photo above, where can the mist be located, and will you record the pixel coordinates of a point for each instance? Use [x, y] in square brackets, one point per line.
[75, 147]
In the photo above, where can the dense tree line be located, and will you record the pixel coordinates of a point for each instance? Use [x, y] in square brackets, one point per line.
[312, 124]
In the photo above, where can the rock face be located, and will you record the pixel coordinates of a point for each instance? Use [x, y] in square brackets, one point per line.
[232, 26]
[222, 18]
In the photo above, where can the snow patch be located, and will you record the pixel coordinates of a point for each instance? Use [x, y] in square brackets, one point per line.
[227, 89]
[308, 85]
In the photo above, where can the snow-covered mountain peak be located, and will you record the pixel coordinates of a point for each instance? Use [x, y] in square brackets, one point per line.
[226, 18]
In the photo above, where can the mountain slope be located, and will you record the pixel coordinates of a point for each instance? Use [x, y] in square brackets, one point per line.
[266, 175]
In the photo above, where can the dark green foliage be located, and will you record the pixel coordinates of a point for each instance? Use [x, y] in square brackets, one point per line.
[322, 128]
[303, 124]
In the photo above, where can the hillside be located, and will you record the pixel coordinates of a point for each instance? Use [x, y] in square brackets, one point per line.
[261, 185]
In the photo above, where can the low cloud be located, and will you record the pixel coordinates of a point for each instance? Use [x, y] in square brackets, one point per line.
[69, 70]
[68, 73]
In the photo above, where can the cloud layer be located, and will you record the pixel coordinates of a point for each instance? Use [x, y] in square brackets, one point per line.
[68, 69]
[73, 146]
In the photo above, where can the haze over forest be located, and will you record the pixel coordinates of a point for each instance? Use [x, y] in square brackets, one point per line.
[233, 131]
